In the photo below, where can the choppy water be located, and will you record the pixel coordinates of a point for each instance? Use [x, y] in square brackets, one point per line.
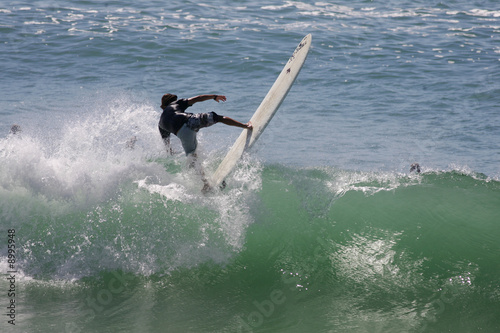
[321, 227]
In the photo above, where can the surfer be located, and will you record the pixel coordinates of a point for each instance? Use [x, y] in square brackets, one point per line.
[185, 125]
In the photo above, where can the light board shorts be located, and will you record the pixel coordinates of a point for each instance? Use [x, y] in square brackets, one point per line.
[188, 139]
[187, 133]
[200, 120]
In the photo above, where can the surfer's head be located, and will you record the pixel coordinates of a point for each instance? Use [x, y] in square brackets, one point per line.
[167, 99]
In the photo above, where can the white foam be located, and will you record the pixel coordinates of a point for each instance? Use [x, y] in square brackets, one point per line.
[174, 192]
[368, 183]
[87, 159]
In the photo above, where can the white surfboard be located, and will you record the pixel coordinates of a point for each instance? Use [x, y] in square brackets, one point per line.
[265, 111]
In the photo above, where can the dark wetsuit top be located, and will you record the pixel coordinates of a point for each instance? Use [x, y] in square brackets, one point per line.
[174, 117]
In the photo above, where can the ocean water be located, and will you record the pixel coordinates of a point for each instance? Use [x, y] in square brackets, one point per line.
[321, 228]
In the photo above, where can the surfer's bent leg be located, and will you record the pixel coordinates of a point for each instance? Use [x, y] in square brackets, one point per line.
[189, 143]
[188, 131]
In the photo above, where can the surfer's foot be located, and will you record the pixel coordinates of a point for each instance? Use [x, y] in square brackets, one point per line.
[206, 188]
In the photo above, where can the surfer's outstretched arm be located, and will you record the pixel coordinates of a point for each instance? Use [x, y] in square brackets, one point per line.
[202, 98]
[232, 122]
[222, 119]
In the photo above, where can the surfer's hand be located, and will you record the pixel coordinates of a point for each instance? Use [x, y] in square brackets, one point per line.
[249, 125]
[220, 98]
